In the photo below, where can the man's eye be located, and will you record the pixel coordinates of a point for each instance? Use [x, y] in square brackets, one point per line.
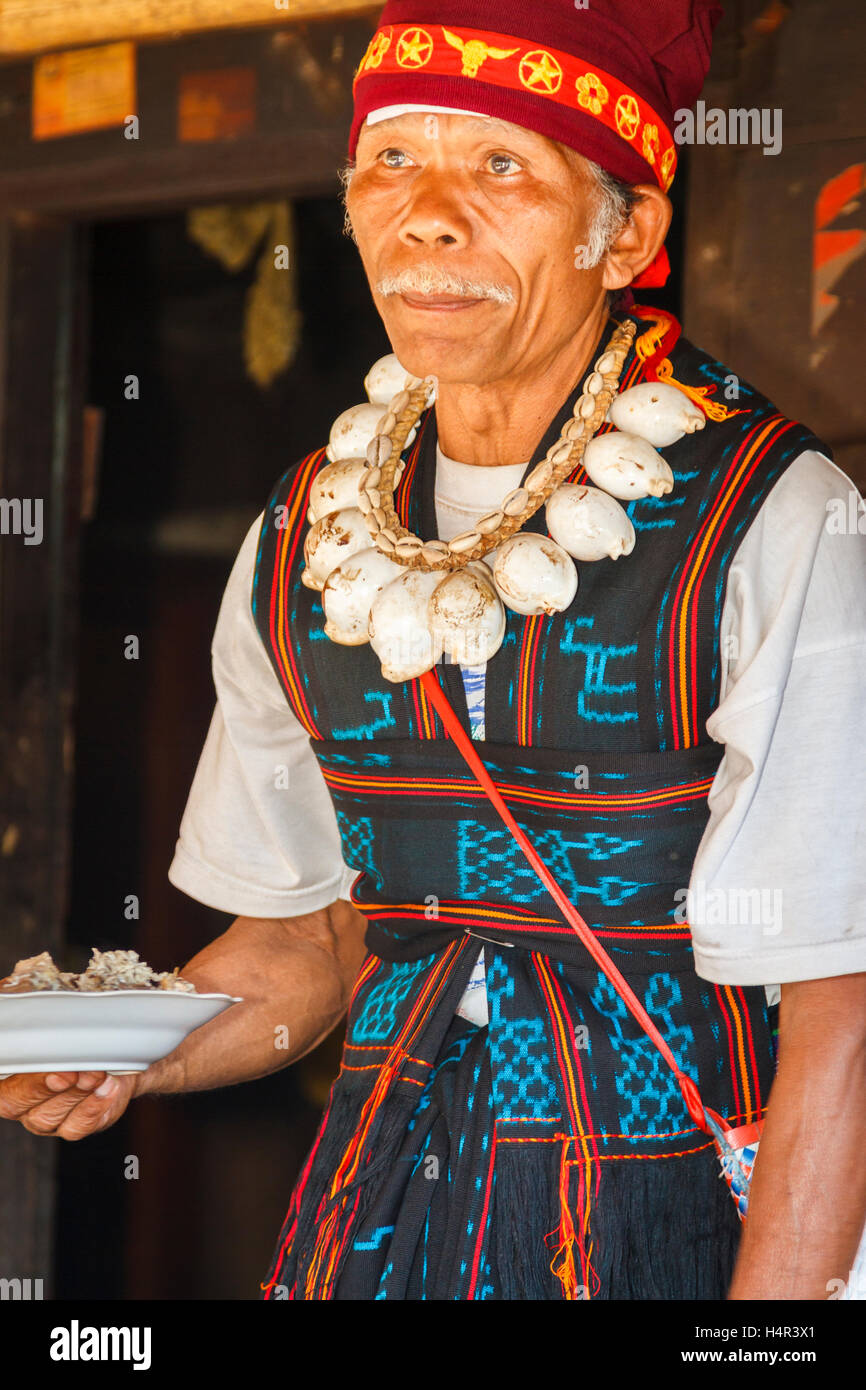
[503, 164]
[395, 159]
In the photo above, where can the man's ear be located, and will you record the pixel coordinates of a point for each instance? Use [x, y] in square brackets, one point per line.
[640, 239]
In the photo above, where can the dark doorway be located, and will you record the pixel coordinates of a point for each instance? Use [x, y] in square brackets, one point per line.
[186, 467]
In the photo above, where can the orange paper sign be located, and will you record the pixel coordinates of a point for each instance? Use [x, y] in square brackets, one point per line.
[216, 105]
[84, 89]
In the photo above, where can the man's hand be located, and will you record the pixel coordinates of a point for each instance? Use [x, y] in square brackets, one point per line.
[807, 1205]
[67, 1104]
[295, 976]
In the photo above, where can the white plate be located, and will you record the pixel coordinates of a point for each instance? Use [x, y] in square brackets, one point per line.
[117, 1030]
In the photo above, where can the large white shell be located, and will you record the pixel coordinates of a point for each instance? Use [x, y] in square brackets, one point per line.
[352, 431]
[588, 523]
[349, 593]
[534, 575]
[388, 376]
[335, 486]
[659, 413]
[466, 617]
[626, 466]
[385, 378]
[330, 541]
[399, 633]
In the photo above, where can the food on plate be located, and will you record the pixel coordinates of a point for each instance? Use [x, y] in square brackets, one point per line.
[106, 970]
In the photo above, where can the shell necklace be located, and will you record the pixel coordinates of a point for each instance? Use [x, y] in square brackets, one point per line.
[376, 486]
[414, 599]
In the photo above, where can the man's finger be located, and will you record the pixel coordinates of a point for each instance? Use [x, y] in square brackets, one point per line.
[85, 1119]
[47, 1117]
[70, 1115]
[22, 1092]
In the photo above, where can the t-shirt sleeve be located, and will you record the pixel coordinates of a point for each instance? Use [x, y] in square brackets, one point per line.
[259, 835]
[778, 886]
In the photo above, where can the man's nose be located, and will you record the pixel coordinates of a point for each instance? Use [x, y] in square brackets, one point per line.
[435, 216]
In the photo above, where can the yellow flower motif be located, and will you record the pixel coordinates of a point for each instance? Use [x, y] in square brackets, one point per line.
[376, 50]
[667, 166]
[592, 94]
[650, 143]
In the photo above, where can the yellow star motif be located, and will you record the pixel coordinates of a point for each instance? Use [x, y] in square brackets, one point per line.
[414, 48]
[540, 72]
[627, 115]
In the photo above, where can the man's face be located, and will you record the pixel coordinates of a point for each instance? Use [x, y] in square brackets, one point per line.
[484, 221]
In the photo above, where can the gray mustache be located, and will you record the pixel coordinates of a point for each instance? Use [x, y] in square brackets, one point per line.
[421, 279]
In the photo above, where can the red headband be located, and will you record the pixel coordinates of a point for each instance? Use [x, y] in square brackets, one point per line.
[406, 54]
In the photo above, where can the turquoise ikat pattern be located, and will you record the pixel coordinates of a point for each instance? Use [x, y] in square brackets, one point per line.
[652, 1103]
[378, 1018]
[523, 1081]
[489, 861]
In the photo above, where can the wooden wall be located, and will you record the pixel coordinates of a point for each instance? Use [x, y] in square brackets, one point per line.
[220, 116]
[775, 264]
[288, 140]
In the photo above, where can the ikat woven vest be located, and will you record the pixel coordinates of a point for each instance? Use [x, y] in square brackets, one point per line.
[596, 736]
[595, 717]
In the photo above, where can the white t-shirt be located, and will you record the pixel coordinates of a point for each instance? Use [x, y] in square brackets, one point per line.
[778, 886]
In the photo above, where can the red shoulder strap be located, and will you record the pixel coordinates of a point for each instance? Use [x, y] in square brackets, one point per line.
[439, 700]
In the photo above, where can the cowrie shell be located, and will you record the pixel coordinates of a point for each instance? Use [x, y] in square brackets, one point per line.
[515, 502]
[433, 557]
[464, 542]
[378, 451]
[540, 475]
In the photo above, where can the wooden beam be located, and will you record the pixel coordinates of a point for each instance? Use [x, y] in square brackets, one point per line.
[37, 26]
[302, 105]
[300, 164]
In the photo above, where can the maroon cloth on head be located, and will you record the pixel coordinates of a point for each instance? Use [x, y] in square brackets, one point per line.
[658, 49]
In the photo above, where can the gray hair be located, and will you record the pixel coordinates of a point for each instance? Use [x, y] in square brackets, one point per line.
[614, 204]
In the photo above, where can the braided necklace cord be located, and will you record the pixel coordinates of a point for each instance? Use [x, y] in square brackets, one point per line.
[377, 483]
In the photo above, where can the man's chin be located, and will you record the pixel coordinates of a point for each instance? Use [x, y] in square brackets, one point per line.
[434, 344]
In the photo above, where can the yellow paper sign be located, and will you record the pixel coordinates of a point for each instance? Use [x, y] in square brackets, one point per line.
[84, 89]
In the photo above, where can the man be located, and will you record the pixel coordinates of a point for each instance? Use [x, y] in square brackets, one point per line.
[501, 1127]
